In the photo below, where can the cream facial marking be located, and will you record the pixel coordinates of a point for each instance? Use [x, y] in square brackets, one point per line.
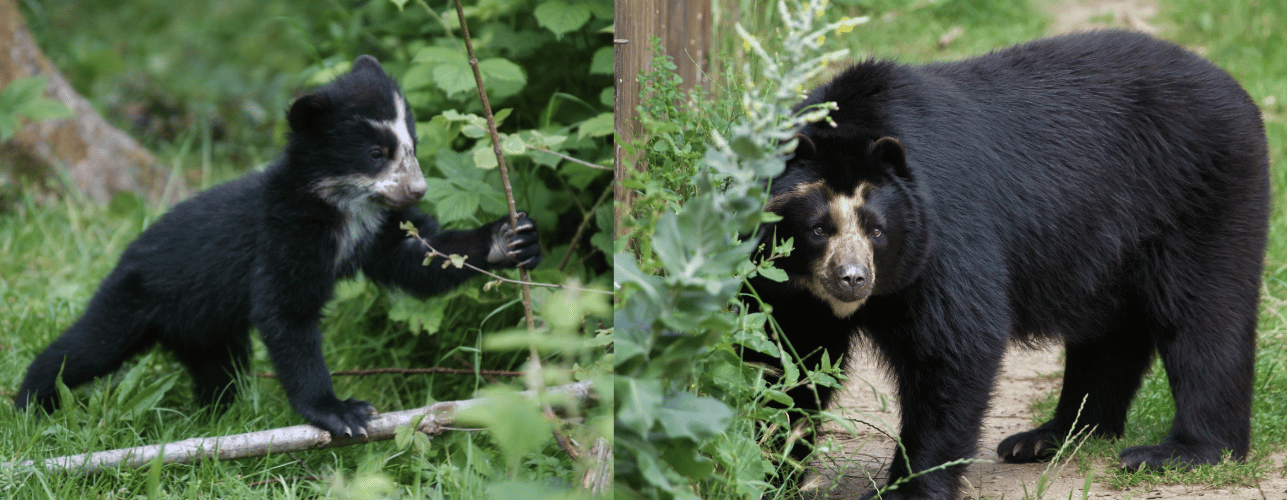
[777, 202]
[845, 274]
[401, 183]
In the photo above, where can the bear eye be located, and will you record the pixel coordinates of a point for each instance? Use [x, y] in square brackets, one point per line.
[377, 153]
[818, 230]
[875, 232]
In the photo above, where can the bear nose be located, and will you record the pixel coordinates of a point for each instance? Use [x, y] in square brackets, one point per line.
[851, 275]
[416, 192]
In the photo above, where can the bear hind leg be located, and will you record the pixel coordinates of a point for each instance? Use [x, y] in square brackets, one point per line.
[91, 348]
[1100, 379]
[1211, 381]
[214, 366]
[1202, 299]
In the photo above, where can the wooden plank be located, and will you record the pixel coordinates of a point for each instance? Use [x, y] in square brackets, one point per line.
[685, 31]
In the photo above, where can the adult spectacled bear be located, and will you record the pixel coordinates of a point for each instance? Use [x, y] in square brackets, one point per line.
[1108, 190]
[266, 250]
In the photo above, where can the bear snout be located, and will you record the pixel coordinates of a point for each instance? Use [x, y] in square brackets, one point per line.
[849, 282]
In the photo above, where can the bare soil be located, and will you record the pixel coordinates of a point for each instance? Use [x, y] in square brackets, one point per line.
[1026, 375]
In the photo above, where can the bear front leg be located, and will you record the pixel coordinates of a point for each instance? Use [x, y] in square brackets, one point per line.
[296, 353]
[289, 288]
[944, 395]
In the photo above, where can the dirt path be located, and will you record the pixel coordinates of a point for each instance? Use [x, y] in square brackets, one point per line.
[1026, 375]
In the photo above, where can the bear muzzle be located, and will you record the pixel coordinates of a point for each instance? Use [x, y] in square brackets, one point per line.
[848, 282]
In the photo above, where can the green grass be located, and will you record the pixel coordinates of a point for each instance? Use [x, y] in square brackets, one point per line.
[1245, 38]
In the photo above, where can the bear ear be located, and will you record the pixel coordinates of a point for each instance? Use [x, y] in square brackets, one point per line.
[308, 111]
[891, 156]
[804, 147]
[367, 63]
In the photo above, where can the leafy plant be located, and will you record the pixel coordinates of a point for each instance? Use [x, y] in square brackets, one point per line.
[687, 410]
[24, 98]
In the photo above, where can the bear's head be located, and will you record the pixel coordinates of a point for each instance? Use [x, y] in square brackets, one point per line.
[859, 225]
[356, 139]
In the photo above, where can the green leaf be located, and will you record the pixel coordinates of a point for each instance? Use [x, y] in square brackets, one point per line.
[685, 414]
[438, 55]
[458, 206]
[638, 402]
[602, 239]
[516, 423]
[148, 395]
[686, 460]
[561, 17]
[773, 273]
[598, 126]
[45, 109]
[502, 77]
[745, 147]
[8, 127]
[499, 68]
[417, 77]
[602, 63]
[420, 315]
[454, 78]
[513, 144]
[485, 158]
[124, 203]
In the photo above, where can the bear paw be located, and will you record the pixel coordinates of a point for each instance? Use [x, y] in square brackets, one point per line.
[1037, 445]
[1167, 456]
[515, 247]
[341, 418]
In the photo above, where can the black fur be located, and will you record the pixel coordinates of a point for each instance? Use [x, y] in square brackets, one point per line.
[266, 250]
[1108, 189]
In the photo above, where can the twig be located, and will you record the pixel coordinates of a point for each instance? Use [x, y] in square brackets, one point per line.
[535, 380]
[414, 371]
[569, 158]
[282, 479]
[500, 162]
[282, 440]
[585, 222]
[599, 473]
[433, 252]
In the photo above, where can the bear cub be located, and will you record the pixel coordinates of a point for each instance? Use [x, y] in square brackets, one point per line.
[1105, 190]
[266, 250]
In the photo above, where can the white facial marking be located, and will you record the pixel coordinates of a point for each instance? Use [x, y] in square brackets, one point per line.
[405, 169]
[362, 216]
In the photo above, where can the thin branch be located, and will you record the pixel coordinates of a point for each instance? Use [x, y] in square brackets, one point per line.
[569, 158]
[414, 371]
[282, 480]
[504, 170]
[437, 418]
[585, 222]
[433, 252]
[535, 380]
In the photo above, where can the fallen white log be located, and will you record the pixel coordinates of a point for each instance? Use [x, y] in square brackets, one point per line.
[280, 440]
